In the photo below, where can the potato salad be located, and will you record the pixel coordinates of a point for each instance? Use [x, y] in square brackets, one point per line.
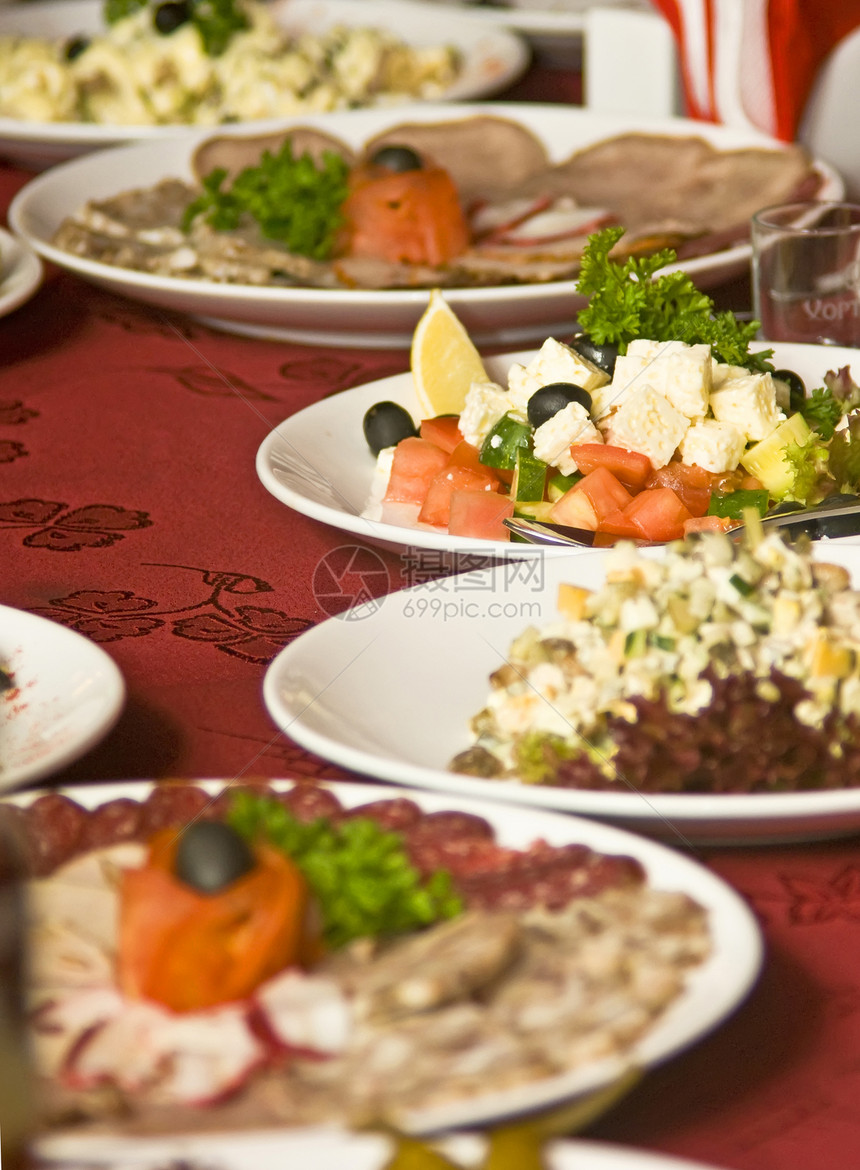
[717, 667]
[202, 63]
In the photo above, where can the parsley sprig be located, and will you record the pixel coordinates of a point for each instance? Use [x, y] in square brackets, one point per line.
[294, 200]
[360, 874]
[627, 299]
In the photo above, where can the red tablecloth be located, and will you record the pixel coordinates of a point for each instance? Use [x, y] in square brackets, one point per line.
[130, 511]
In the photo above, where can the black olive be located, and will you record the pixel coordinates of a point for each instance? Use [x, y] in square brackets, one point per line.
[75, 46]
[549, 400]
[796, 388]
[397, 158]
[211, 855]
[171, 15]
[385, 424]
[6, 683]
[602, 356]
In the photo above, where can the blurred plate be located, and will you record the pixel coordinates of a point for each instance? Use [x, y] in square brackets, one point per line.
[20, 273]
[713, 989]
[390, 692]
[318, 463]
[509, 315]
[493, 58]
[67, 695]
[321, 1150]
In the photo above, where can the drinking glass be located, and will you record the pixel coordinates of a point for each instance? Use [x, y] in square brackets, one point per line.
[806, 272]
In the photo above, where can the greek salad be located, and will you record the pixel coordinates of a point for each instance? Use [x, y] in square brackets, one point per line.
[656, 420]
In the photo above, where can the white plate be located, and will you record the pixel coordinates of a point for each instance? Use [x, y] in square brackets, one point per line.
[327, 1150]
[713, 990]
[318, 463]
[389, 693]
[510, 315]
[493, 58]
[20, 273]
[68, 694]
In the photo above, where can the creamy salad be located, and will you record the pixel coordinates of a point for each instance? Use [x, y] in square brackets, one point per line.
[734, 665]
[155, 66]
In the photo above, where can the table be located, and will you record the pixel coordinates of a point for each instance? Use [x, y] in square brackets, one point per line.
[130, 511]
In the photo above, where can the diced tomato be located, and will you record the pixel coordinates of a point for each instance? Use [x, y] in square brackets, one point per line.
[465, 455]
[691, 483]
[629, 467]
[750, 483]
[575, 509]
[479, 514]
[596, 495]
[659, 514]
[416, 463]
[437, 503]
[412, 217]
[708, 524]
[444, 431]
[619, 524]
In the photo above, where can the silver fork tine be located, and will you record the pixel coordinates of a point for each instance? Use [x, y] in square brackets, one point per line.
[536, 533]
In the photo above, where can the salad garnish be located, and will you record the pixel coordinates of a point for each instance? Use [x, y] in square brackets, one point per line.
[360, 874]
[293, 199]
[215, 20]
[628, 300]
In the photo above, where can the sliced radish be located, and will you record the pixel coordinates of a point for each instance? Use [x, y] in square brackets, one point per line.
[59, 1022]
[306, 1012]
[491, 218]
[196, 1058]
[562, 221]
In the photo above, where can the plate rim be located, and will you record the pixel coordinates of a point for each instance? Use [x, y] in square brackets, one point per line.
[738, 941]
[95, 661]
[25, 272]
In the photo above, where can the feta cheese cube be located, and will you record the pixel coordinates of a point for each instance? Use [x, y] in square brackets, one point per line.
[680, 372]
[553, 439]
[379, 484]
[484, 405]
[716, 446]
[721, 373]
[749, 403]
[647, 422]
[554, 362]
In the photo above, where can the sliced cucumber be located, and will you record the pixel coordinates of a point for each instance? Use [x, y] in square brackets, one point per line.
[529, 476]
[500, 447]
[559, 484]
[534, 510]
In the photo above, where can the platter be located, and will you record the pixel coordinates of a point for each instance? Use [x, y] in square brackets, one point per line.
[20, 273]
[493, 59]
[67, 695]
[500, 315]
[389, 693]
[318, 463]
[713, 989]
[325, 1150]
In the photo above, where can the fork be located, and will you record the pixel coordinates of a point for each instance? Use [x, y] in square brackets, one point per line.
[838, 515]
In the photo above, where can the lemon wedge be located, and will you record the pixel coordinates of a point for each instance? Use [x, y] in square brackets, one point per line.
[444, 360]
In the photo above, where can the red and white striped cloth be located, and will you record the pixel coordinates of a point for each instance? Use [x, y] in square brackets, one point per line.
[755, 60]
